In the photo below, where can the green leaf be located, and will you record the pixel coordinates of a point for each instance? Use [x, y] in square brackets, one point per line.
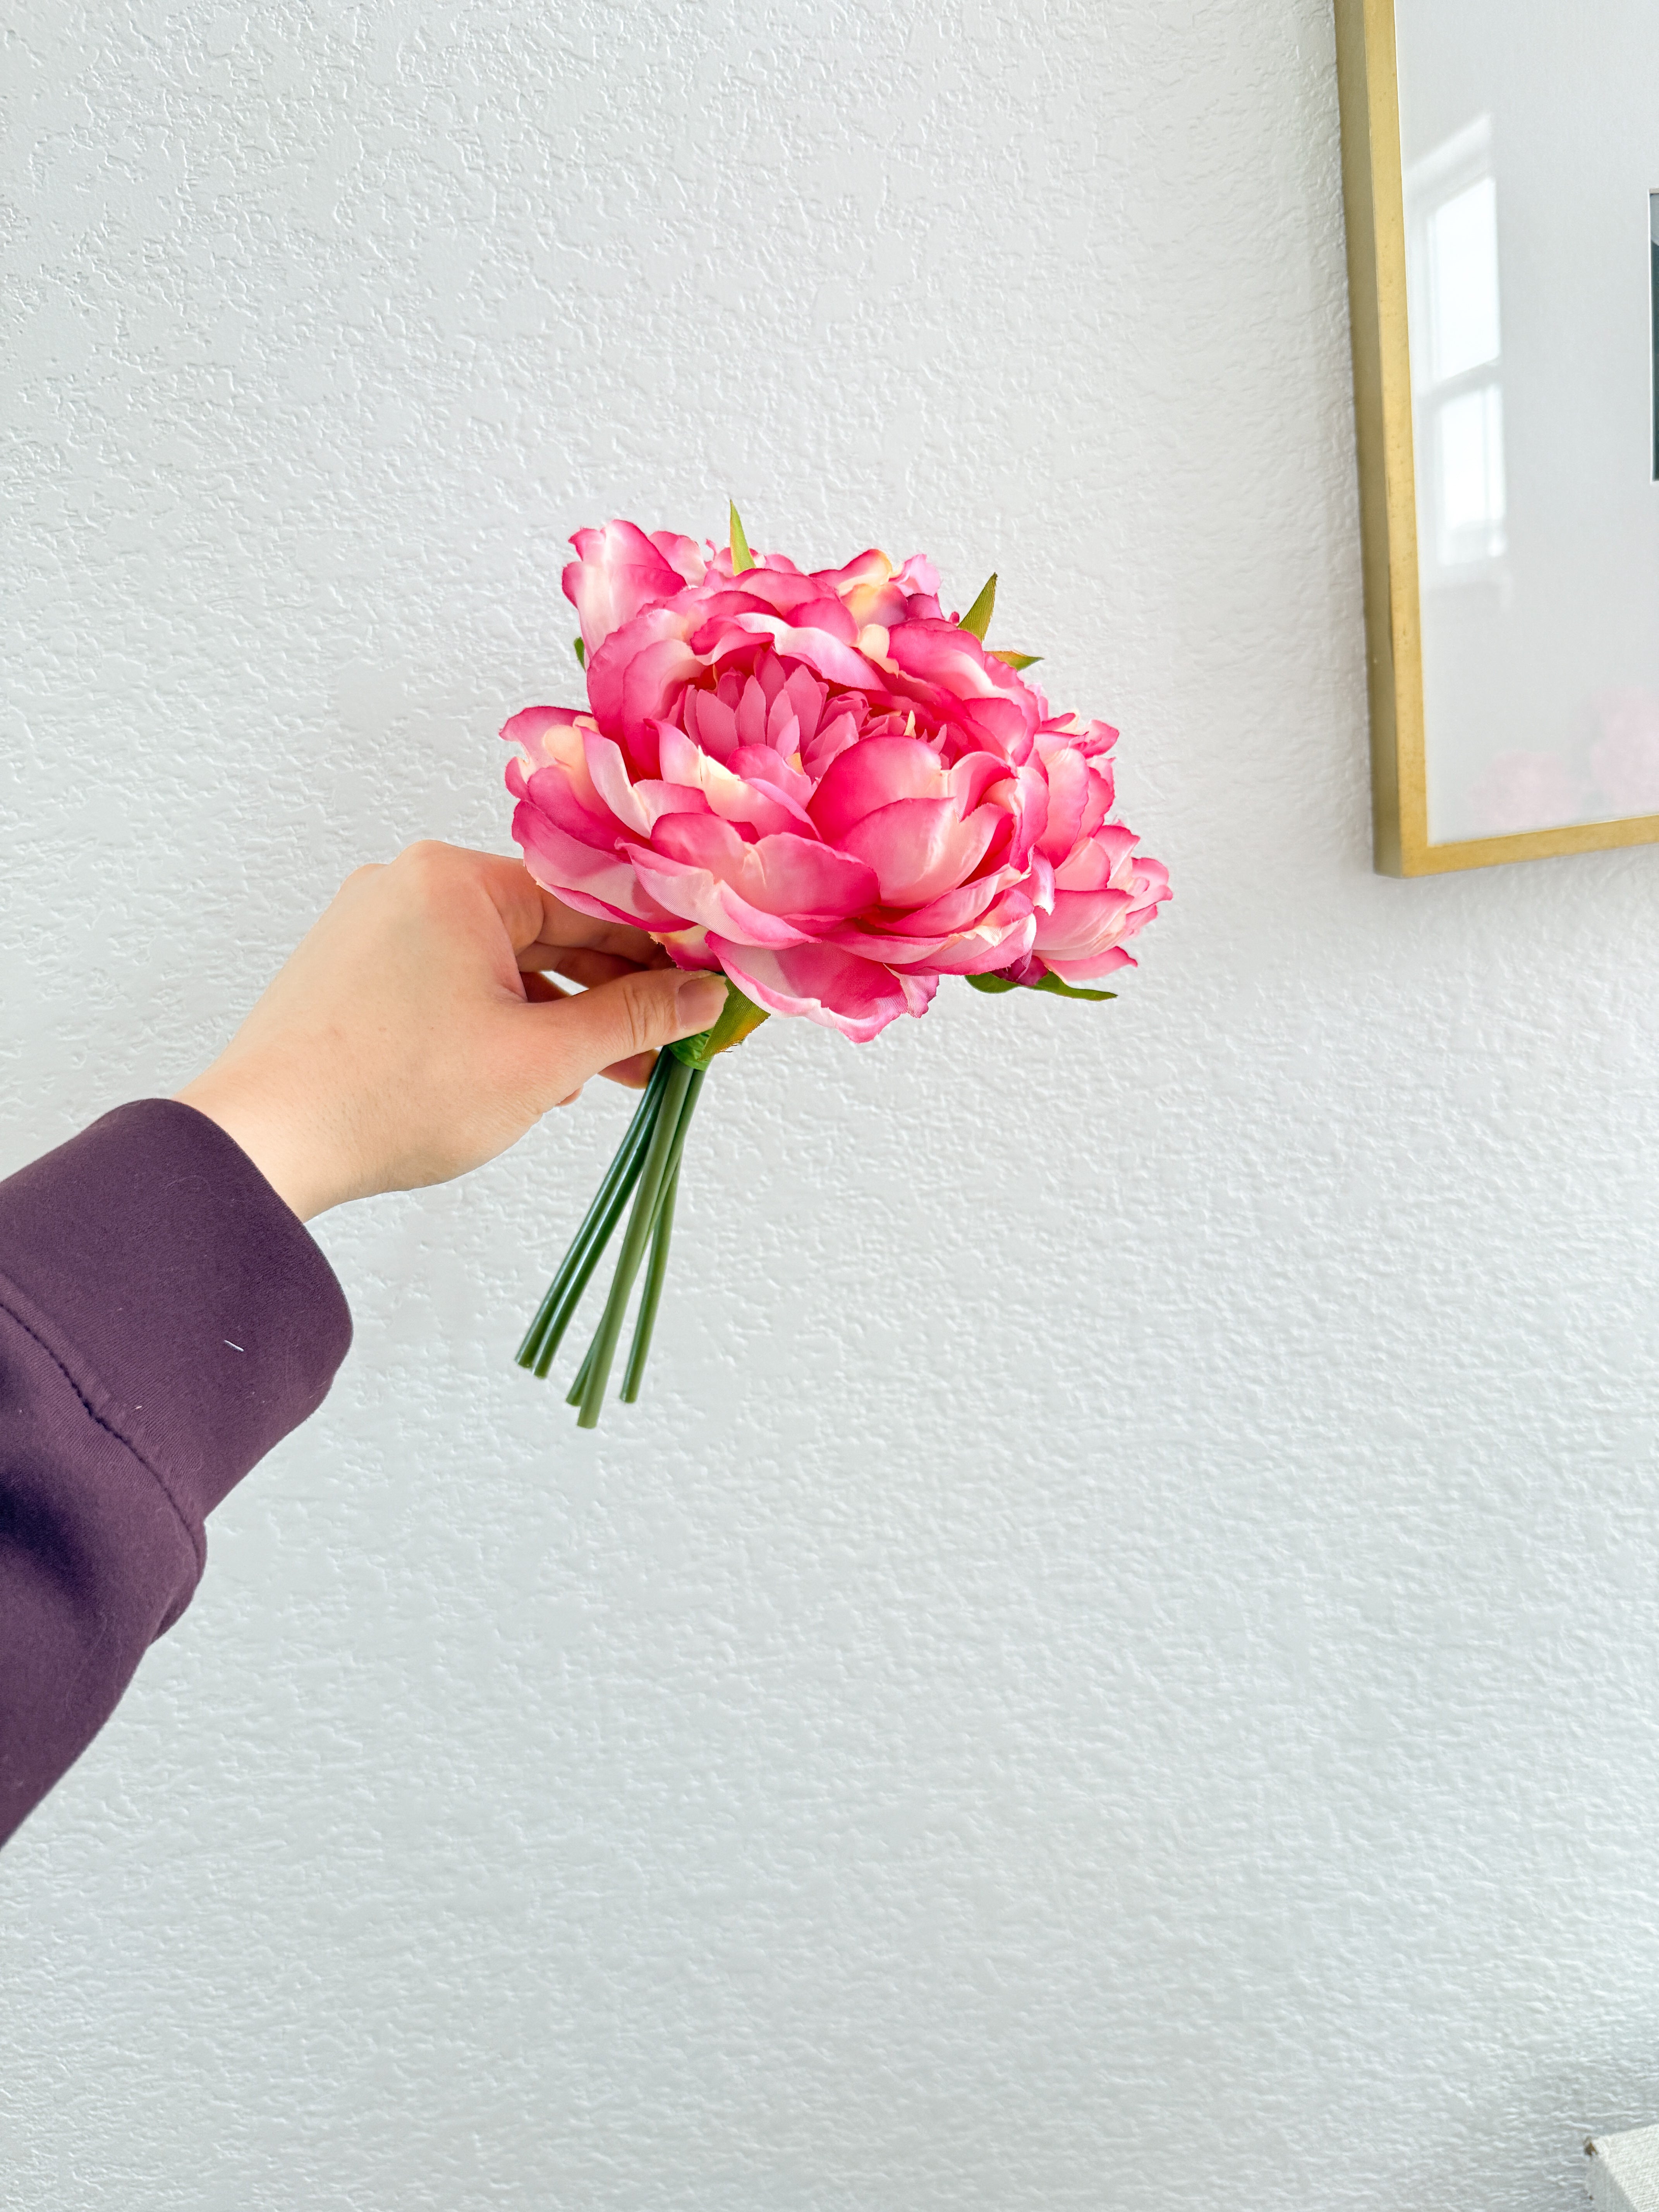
[582, 655]
[1067, 990]
[1017, 660]
[742, 558]
[1051, 983]
[978, 616]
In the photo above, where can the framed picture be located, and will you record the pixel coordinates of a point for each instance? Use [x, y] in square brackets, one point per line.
[1501, 173]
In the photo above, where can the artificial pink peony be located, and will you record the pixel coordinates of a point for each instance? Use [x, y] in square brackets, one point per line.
[822, 785]
[826, 789]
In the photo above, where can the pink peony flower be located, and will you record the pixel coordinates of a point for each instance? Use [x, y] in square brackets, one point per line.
[821, 784]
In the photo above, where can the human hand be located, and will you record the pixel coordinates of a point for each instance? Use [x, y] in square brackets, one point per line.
[414, 1034]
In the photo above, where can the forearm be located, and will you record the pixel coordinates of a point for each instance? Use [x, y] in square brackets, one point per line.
[164, 1320]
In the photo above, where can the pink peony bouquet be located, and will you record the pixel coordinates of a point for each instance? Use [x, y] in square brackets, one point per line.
[825, 788]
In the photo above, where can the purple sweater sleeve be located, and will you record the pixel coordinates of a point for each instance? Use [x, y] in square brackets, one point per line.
[164, 1320]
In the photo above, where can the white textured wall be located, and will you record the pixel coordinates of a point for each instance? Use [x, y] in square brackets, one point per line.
[1119, 1665]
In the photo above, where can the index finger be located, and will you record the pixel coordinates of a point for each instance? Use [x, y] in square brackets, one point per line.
[540, 923]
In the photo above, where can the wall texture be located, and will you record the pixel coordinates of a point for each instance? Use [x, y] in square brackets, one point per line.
[1119, 1665]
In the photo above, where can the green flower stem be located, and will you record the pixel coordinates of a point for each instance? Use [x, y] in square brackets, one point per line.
[738, 1018]
[572, 1397]
[632, 1251]
[661, 1230]
[590, 1238]
[625, 1159]
[651, 1296]
[564, 1313]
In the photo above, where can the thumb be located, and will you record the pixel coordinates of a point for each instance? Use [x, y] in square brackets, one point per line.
[632, 1014]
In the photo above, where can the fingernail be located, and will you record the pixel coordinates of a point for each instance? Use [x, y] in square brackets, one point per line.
[698, 1001]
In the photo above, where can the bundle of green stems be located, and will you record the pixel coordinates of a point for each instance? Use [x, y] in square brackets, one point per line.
[647, 1170]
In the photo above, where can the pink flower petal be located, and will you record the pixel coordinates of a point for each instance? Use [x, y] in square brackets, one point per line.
[688, 947]
[554, 737]
[857, 997]
[987, 943]
[1067, 774]
[945, 655]
[551, 792]
[919, 991]
[595, 882]
[1089, 971]
[1078, 918]
[700, 840]
[1083, 924]
[782, 730]
[1007, 934]
[1093, 866]
[639, 674]
[826, 655]
[798, 875]
[652, 683]
[973, 777]
[1101, 793]
[609, 771]
[731, 796]
[751, 717]
[920, 847]
[958, 908]
[706, 895]
[684, 554]
[618, 571]
[777, 587]
[807, 696]
[1151, 880]
[783, 875]
[710, 723]
[1005, 726]
[870, 571]
[878, 939]
[871, 775]
[533, 724]
[760, 764]
[657, 798]
[1029, 807]
[832, 739]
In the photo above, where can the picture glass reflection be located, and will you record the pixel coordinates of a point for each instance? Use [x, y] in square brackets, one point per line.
[1531, 172]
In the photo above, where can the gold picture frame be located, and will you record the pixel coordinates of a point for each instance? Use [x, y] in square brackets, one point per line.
[1374, 195]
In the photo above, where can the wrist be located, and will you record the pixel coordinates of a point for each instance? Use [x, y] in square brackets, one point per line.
[275, 1133]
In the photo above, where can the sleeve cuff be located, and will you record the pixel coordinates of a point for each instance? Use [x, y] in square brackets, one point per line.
[187, 1302]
